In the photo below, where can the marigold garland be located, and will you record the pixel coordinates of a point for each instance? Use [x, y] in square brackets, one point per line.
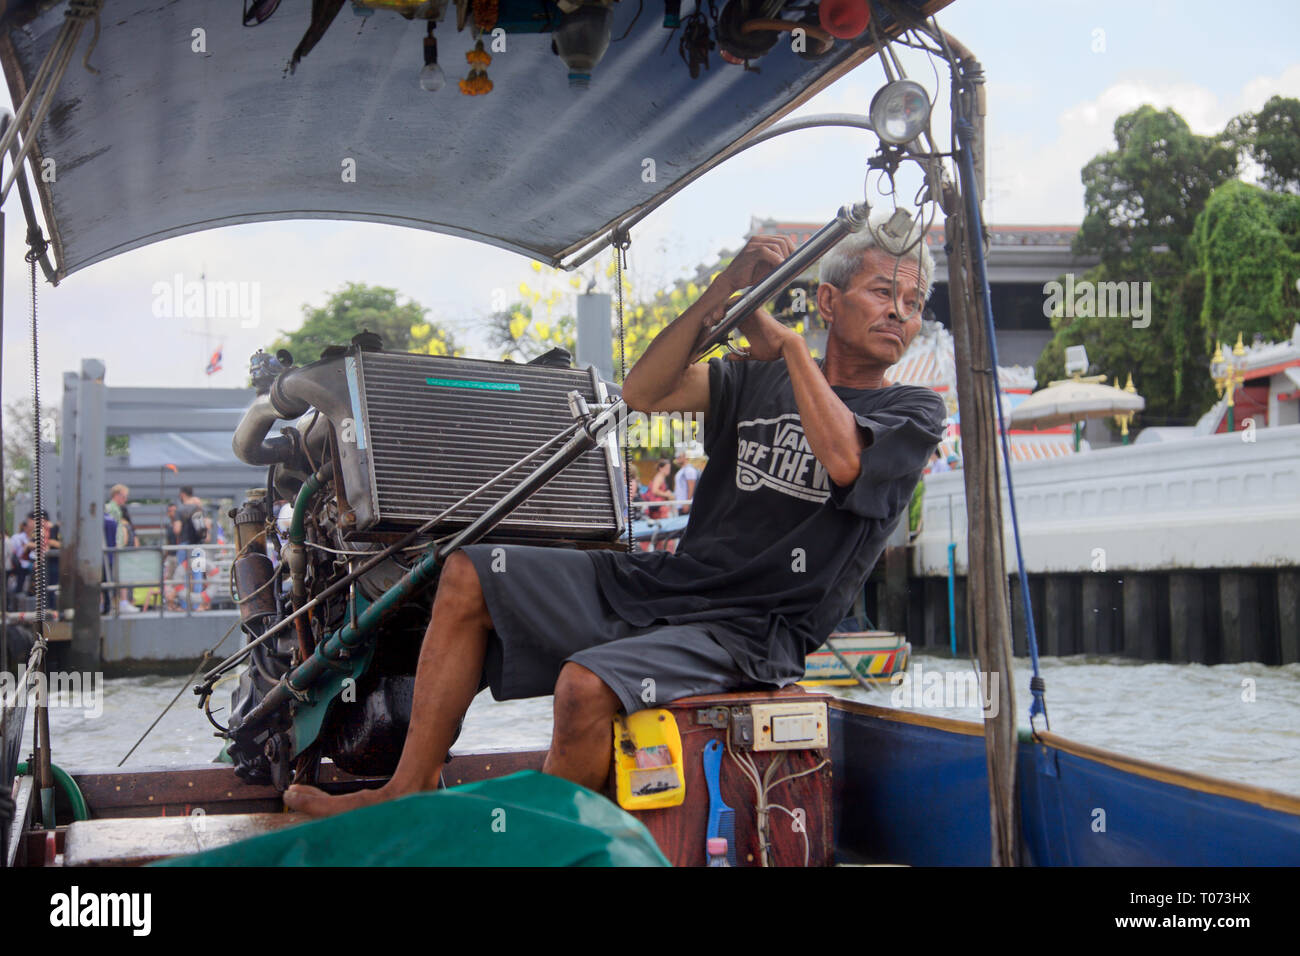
[485, 14]
[478, 56]
[476, 84]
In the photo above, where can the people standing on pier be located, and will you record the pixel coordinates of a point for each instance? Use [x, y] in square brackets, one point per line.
[123, 535]
[659, 489]
[191, 528]
[171, 538]
[684, 481]
[20, 561]
[53, 555]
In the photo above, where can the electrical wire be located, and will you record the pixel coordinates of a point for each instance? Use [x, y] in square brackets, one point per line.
[635, 18]
[306, 448]
[349, 554]
[803, 830]
[801, 773]
[279, 569]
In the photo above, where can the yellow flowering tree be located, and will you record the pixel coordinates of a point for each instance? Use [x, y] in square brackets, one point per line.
[541, 318]
[429, 338]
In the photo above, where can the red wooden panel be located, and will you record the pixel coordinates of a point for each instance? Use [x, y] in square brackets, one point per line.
[680, 831]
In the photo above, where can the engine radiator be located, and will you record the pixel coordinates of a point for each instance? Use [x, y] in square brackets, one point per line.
[435, 428]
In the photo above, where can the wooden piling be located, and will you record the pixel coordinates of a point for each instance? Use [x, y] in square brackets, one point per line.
[1100, 614]
[1239, 615]
[1189, 639]
[1287, 588]
[1062, 624]
[1141, 616]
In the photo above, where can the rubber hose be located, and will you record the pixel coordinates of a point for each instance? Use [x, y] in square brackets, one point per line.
[69, 787]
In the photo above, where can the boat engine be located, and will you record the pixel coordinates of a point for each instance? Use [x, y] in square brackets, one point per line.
[386, 452]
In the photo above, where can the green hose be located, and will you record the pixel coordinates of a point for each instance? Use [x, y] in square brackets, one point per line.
[69, 787]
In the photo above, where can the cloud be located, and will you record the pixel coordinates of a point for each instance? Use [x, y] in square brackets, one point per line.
[1033, 182]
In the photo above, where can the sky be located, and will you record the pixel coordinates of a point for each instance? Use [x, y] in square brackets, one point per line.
[1055, 87]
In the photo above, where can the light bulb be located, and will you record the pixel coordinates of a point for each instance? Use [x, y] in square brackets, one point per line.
[432, 78]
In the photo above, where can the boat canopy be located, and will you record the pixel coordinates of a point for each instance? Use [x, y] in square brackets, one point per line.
[193, 122]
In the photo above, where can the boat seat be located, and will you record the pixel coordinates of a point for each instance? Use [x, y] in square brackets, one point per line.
[134, 841]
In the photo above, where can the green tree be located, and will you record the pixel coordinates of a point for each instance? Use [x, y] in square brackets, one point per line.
[403, 327]
[1247, 245]
[1142, 200]
[19, 436]
[1146, 193]
[1167, 359]
[1271, 137]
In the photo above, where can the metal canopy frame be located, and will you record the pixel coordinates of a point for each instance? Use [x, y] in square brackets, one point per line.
[165, 142]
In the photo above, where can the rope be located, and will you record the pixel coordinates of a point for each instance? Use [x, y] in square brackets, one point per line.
[621, 244]
[203, 662]
[86, 10]
[966, 133]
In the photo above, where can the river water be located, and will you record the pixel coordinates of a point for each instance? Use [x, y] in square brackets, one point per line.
[1235, 721]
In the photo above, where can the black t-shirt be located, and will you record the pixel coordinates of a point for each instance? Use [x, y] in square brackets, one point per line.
[194, 527]
[774, 552]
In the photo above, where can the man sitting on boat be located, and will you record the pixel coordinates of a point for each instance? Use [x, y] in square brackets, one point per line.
[810, 467]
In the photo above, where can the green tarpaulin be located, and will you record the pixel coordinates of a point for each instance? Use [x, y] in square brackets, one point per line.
[526, 819]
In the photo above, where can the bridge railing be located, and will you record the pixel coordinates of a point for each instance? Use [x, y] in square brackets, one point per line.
[168, 577]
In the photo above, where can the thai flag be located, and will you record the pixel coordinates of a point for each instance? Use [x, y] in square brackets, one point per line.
[214, 363]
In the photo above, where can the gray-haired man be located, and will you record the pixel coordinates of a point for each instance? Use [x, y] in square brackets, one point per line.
[810, 467]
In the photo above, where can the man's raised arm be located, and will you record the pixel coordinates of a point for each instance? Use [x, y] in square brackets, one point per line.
[665, 379]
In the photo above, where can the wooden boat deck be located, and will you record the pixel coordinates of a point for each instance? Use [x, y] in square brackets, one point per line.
[130, 842]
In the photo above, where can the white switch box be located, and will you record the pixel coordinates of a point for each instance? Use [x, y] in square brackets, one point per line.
[790, 726]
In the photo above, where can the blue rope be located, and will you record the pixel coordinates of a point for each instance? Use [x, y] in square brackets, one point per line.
[966, 134]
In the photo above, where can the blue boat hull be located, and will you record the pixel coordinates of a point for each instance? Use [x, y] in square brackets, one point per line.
[912, 789]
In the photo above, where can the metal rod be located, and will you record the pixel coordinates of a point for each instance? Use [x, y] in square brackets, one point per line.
[849, 220]
[586, 439]
[25, 197]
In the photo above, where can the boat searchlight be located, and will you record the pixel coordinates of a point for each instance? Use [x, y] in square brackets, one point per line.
[900, 112]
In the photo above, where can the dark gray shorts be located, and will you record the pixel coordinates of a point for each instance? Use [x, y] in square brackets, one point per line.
[547, 609]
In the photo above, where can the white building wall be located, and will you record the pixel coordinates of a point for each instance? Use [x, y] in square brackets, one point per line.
[1208, 502]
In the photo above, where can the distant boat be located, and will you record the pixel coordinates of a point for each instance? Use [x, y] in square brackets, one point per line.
[874, 656]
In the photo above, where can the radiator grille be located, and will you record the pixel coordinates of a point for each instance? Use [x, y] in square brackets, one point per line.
[438, 428]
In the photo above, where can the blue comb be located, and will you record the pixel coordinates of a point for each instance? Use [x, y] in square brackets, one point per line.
[722, 819]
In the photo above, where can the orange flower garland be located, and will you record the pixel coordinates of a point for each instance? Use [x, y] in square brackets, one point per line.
[477, 83]
[485, 14]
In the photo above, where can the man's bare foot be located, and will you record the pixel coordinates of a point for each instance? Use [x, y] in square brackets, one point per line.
[317, 803]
